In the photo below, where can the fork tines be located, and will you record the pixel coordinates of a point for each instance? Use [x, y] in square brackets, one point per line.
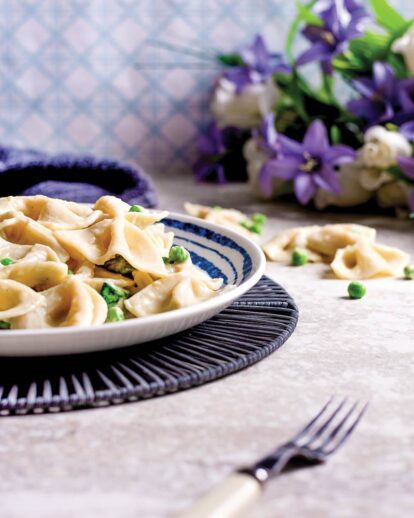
[331, 427]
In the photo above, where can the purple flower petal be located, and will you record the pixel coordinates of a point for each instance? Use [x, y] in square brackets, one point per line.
[384, 78]
[340, 154]
[256, 55]
[266, 180]
[365, 86]
[316, 139]
[221, 175]
[268, 129]
[356, 10]
[289, 146]
[283, 167]
[317, 52]
[405, 89]
[365, 109]
[304, 187]
[407, 129]
[202, 170]
[407, 165]
[328, 179]
[239, 76]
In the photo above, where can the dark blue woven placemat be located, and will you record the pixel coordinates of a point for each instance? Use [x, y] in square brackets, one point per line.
[246, 332]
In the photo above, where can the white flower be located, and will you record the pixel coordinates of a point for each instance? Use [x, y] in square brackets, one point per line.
[405, 46]
[352, 193]
[382, 147]
[393, 194]
[256, 157]
[371, 178]
[245, 109]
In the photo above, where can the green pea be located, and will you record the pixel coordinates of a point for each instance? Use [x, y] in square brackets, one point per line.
[259, 218]
[409, 272]
[356, 290]
[299, 257]
[256, 228]
[6, 261]
[136, 208]
[178, 254]
[113, 294]
[115, 314]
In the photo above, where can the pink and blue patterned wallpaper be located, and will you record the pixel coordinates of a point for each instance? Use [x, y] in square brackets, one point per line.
[68, 80]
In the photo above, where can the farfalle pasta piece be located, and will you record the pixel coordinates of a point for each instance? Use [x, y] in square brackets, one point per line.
[328, 239]
[280, 247]
[161, 239]
[175, 291]
[16, 299]
[146, 218]
[367, 260]
[72, 303]
[114, 207]
[37, 275]
[27, 253]
[114, 237]
[52, 213]
[111, 206]
[230, 218]
[20, 229]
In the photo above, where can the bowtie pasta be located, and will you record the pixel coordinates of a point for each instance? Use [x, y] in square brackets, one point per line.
[230, 218]
[67, 264]
[350, 250]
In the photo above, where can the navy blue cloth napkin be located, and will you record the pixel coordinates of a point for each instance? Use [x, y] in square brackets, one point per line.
[74, 178]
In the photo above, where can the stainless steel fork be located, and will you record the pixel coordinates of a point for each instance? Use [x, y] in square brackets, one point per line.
[321, 437]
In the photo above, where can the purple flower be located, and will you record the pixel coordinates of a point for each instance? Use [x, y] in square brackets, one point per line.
[341, 22]
[310, 164]
[211, 148]
[266, 135]
[258, 65]
[407, 130]
[407, 166]
[405, 95]
[266, 138]
[379, 95]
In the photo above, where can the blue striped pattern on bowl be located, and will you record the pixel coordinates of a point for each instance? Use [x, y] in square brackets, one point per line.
[213, 252]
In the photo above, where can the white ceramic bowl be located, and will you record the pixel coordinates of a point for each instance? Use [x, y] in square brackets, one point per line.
[219, 251]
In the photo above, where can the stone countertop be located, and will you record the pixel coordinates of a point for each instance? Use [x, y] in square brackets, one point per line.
[151, 458]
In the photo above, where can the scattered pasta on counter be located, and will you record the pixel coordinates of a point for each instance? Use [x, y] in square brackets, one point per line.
[350, 249]
[231, 218]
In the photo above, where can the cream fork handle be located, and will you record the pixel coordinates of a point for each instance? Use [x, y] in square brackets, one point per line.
[230, 499]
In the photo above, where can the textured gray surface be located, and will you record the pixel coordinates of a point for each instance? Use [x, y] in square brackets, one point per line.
[151, 458]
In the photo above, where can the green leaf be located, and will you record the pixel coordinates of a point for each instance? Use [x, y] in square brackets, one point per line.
[386, 15]
[335, 134]
[294, 30]
[230, 60]
[307, 15]
[370, 46]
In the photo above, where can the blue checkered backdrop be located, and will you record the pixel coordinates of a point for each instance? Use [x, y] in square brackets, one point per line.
[95, 76]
